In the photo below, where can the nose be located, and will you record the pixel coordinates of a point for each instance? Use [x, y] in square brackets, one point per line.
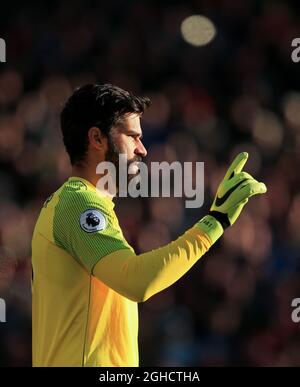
[140, 150]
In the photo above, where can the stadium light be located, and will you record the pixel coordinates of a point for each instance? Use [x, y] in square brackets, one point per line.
[198, 30]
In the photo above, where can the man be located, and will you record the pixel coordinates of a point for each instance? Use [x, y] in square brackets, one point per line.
[87, 280]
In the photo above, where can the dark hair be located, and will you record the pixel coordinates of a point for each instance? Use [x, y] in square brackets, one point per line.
[95, 105]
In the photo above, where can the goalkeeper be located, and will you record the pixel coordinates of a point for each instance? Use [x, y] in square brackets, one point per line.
[87, 280]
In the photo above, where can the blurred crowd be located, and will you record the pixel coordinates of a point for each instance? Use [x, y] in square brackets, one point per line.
[239, 93]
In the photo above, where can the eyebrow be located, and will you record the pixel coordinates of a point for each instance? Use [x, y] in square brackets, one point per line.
[129, 132]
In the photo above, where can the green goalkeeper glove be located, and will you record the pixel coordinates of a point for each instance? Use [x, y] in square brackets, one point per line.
[233, 193]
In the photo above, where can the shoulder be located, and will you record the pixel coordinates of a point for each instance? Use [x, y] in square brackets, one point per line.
[80, 205]
[77, 196]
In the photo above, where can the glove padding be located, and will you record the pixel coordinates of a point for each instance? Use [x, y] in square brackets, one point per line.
[234, 191]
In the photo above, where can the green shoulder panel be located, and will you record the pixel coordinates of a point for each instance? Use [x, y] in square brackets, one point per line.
[85, 224]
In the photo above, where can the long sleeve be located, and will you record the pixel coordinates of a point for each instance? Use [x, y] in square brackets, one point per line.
[138, 277]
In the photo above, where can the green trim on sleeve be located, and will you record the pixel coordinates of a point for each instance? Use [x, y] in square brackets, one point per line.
[211, 227]
[85, 224]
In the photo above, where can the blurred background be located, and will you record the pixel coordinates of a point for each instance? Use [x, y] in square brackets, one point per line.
[239, 92]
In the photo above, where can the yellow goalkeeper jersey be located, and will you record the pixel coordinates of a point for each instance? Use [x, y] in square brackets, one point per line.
[76, 319]
[87, 281]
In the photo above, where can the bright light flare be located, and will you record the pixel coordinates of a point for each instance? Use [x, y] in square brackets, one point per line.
[198, 30]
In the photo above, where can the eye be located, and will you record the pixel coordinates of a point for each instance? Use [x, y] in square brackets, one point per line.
[134, 136]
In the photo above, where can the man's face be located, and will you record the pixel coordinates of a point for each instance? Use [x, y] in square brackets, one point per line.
[125, 138]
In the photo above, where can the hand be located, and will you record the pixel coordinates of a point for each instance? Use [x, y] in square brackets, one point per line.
[234, 191]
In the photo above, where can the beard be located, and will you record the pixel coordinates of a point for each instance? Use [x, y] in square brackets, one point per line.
[112, 155]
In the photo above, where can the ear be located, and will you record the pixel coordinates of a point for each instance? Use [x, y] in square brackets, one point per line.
[96, 138]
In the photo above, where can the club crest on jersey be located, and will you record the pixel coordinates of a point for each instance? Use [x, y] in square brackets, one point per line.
[92, 221]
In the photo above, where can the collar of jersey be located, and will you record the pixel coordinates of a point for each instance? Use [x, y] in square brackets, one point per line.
[93, 188]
